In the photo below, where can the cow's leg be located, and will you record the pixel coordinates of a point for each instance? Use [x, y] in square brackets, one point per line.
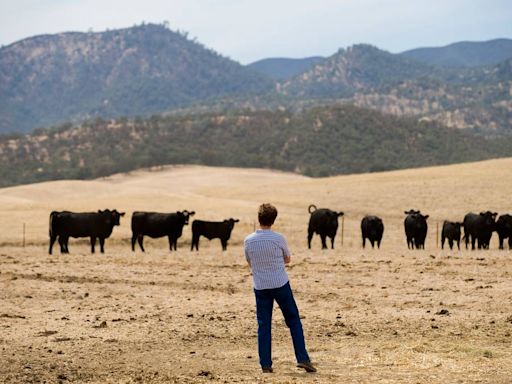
[102, 245]
[458, 245]
[93, 243]
[450, 243]
[195, 242]
[52, 241]
[140, 239]
[378, 243]
[310, 236]
[324, 238]
[364, 242]
[175, 243]
[332, 241]
[510, 242]
[501, 239]
[473, 240]
[224, 244]
[373, 243]
[63, 242]
[134, 240]
[442, 241]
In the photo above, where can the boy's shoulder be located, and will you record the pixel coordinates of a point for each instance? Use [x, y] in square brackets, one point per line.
[264, 234]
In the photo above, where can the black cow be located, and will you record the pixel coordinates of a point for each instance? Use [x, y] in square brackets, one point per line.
[416, 228]
[155, 224]
[372, 229]
[479, 228]
[212, 230]
[451, 232]
[95, 225]
[323, 222]
[504, 229]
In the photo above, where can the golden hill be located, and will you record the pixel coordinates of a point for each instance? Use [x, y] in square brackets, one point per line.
[446, 192]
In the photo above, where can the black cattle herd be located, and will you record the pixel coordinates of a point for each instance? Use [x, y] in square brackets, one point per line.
[478, 228]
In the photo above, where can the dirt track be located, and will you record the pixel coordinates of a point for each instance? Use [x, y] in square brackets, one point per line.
[370, 316]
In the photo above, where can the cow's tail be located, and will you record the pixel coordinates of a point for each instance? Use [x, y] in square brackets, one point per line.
[50, 230]
[312, 208]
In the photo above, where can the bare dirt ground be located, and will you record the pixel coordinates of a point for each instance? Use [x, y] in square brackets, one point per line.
[370, 316]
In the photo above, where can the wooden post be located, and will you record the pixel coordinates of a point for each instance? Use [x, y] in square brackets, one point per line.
[23, 235]
[342, 228]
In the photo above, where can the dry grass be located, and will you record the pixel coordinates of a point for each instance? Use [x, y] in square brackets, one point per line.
[369, 315]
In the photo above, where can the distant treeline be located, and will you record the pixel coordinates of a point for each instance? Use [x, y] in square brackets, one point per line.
[319, 142]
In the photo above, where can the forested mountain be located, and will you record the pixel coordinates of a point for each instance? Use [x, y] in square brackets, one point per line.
[478, 99]
[464, 54]
[284, 68]
[318, 142]
[357, 68]
[128, 72]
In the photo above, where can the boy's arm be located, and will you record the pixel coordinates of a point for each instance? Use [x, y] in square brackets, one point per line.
[247, 256]
[287, 256]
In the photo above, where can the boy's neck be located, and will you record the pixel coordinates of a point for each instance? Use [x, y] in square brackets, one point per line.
[265, 226]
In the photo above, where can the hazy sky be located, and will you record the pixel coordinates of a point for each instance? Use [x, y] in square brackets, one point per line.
[249, 30]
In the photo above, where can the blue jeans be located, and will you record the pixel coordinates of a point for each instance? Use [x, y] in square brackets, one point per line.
[264, 304]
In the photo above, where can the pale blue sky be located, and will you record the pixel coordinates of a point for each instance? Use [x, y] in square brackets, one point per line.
[249, 30]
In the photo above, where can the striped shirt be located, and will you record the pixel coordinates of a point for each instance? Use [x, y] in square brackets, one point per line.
[265, 250]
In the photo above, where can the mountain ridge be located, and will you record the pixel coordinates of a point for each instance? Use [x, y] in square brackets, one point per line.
[464, 53]
[133, 71]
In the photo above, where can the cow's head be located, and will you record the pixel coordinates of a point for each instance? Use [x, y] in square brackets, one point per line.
[111, 217]
[505, 222]
[185, 215]
[231, 222]
[489, 219]
[116, 216]
[418, 220]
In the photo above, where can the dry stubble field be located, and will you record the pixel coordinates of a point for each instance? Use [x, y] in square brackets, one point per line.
[370, 316]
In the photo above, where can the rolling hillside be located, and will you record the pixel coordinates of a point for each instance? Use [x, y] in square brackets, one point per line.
[317, 142]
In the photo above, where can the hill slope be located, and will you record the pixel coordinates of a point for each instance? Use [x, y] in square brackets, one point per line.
[142, 70]
[471, 98]
[356, 68]
[284, 68]
[464, 54]
[319, 142]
